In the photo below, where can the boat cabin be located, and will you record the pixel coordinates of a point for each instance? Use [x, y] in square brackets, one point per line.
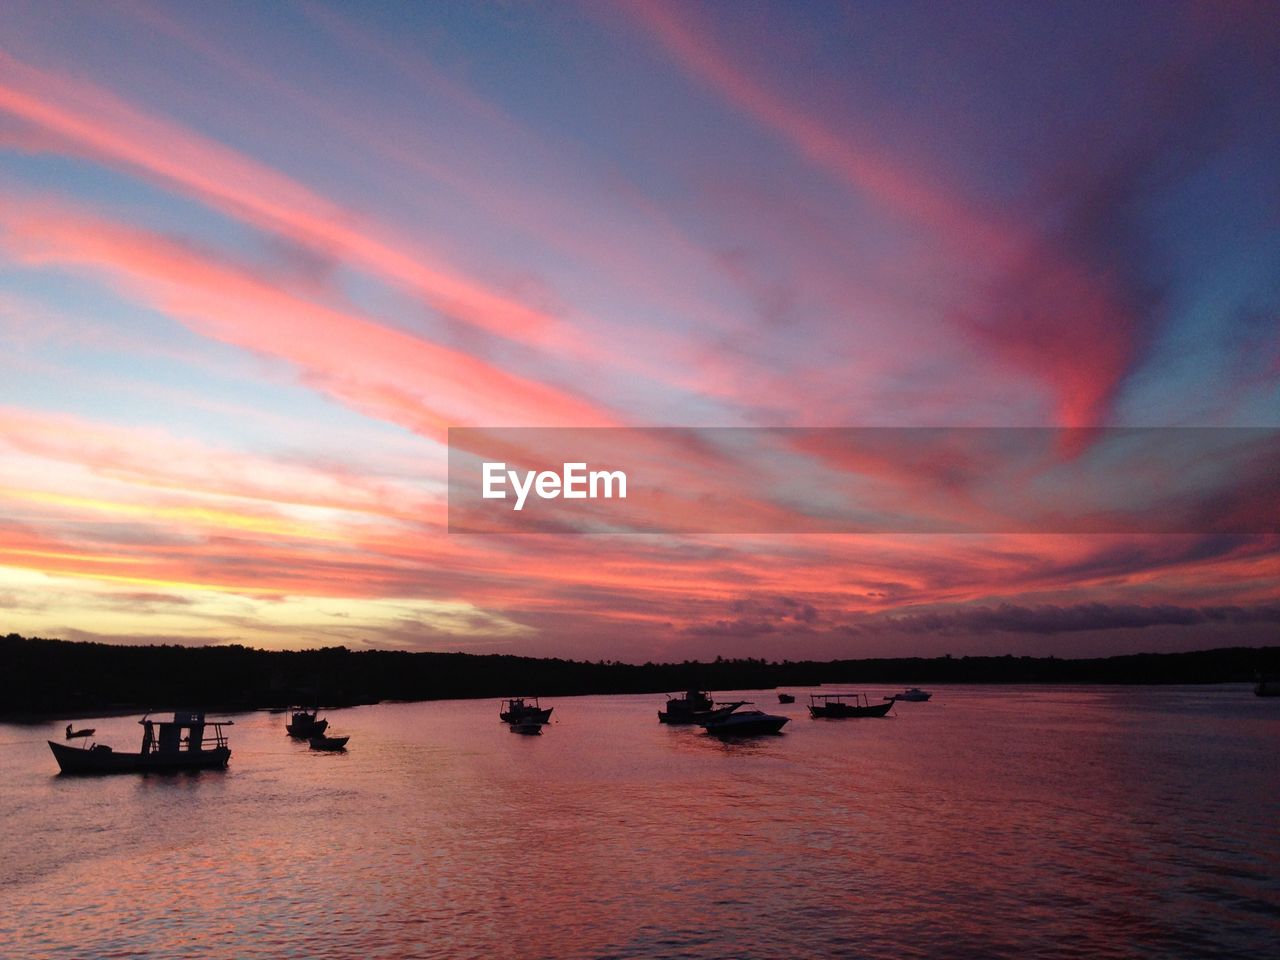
[822, 699]
[185, 733]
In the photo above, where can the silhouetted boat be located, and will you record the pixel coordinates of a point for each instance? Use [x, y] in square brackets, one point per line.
[79, 734]
[695, 707]
[747, 723]
[169, 749]
[303, 724]
[530, 728]
[524, 708]
[833, 706]
[911, 695]
[329, 743]
[786, 698]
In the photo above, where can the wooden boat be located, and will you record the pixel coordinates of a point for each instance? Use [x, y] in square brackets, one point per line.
[329, 743]
[841, 706]
[517, 709]
[303, 724]
[748, 723]
[178, 744]
[786, 698]
[79, 734]
[911, 695]
[695, 707]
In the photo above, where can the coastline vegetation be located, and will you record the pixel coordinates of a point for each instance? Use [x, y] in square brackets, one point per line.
[41, 677]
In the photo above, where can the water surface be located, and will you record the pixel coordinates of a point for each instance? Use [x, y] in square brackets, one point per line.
[996, 822]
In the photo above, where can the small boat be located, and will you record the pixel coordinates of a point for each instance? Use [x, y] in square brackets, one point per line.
[748, 723]
[303, 724]
[836, 706]
[786, 698]
[695, 707]
[329, 743]
[911, 695]
[79, 734]
[517, 709]
[178, 744]
[530, 728]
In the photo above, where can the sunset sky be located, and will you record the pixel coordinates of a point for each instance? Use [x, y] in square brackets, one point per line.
[256, 260]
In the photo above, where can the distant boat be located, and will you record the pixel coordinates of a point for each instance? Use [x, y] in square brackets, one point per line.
[179, 744]
[786, 698]
[303, 724]
[530, 728]
[79, 734]
[518, 709]
[748, 723]
[695, 707]
[911, 695]
[1267, 687]
[836, 706]
[329, 743]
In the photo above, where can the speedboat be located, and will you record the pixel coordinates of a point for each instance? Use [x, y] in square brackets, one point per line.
[524, 708]
[695, 707]
[177, 744]
[911, 695]
[840, 706]
[329, 743]
[303, 724]
[748, 723]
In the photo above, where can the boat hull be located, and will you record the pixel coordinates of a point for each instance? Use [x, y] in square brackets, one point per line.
[696, 717]
[845, 711]
[755, 727]
[99, 760]
[531, 715]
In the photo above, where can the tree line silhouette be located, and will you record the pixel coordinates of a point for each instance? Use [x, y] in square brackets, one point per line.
[41, 676]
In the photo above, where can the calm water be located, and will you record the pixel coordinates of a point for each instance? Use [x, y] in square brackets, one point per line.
[1053, 822]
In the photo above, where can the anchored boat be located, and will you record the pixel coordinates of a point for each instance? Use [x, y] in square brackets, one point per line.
[748, 723]
[332, 744]
[695, 707]
[840, 706]
[520, 709]
[303, 724]
[178, 744]
[911, 695]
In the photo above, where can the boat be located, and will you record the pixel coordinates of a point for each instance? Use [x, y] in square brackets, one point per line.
[786, 698]
[517, 709]
[329, 743]
[911, 695]
[695, 707]
[79, 734]
[167, 745]
[837, 706]
[530, 728]
[747, 723]
[303, 724]
[1267, 687]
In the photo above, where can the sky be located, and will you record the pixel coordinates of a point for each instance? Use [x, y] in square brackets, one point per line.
[256, 261]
